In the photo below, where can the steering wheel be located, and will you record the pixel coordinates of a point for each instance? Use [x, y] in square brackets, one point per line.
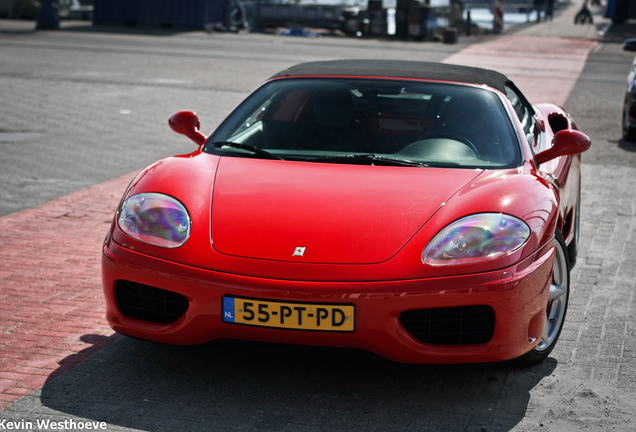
[450, 135]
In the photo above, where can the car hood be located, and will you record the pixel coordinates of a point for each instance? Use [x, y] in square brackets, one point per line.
[323, 212]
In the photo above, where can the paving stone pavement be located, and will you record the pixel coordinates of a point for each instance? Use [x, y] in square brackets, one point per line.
[51, 304]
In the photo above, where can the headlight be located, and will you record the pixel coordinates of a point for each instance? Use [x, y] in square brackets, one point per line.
[480, 237]
[155, 219]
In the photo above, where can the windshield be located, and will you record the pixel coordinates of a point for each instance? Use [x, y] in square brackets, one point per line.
[371, 121]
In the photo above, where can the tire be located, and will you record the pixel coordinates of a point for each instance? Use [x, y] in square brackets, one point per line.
[573, 247]
[556, 307]
[628, 133]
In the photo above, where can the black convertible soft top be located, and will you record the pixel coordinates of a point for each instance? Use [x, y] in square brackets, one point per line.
[399, 69]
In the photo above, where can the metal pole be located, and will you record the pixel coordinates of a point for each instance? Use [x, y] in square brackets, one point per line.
[469, 23]
[498, 13]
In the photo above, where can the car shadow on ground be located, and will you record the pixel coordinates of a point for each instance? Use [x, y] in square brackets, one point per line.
[18, 27]
[234, 385]
[127, 29]
[11, 32]
[627, 145]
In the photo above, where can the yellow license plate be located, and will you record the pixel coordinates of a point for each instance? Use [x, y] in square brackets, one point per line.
[296, 316]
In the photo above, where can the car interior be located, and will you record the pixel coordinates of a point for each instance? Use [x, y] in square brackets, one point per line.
[431, 123]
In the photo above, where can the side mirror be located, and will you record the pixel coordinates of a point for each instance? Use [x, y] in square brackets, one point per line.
[566, 142]
[629, 45]
[187, 123]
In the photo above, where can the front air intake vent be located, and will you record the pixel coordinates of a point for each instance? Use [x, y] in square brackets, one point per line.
[461, 325]
[148, 303]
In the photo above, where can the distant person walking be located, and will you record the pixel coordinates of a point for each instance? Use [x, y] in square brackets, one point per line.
[538, 5]
[549, 10]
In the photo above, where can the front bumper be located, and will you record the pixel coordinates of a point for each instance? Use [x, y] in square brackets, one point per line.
[518, 296]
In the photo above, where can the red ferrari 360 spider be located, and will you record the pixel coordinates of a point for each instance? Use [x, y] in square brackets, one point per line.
[424, 212]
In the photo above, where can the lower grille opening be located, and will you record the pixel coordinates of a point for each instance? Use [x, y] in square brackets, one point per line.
[461, 325]
[148, 303]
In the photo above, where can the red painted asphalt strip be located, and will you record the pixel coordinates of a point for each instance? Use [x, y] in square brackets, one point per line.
[545, 69]
[51, 302]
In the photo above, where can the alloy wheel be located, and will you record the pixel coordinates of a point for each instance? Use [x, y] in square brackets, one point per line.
[557, 300]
